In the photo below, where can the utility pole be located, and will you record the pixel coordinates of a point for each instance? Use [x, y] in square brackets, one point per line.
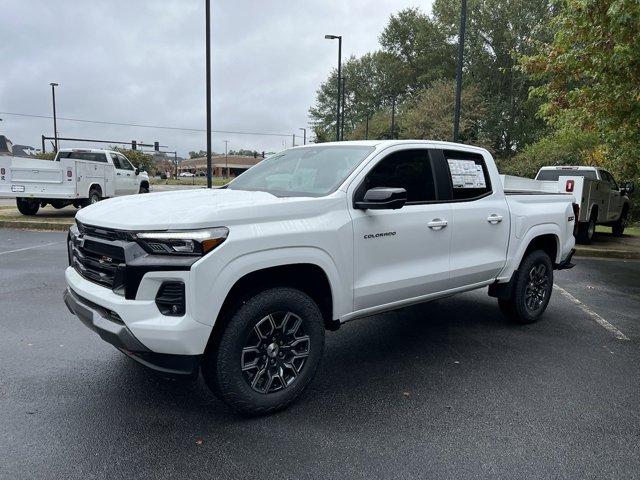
[344, 104]
[226, 158]
[339, 38]
[304, 135]
[293, 141]
[55, 122]
[393, 117]
[366, 128]
[208, 61]
[456, 111]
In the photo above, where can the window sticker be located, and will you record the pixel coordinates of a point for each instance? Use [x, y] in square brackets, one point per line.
[466, 174]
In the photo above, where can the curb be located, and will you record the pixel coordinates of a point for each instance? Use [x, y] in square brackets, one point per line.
[608, 253]
[22, 225]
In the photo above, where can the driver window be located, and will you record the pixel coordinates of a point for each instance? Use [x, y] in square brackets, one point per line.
[408, 169]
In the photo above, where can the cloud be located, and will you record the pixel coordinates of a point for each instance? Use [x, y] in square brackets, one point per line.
[143, 62]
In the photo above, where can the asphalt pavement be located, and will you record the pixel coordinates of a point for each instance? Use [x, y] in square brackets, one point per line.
[447, 389]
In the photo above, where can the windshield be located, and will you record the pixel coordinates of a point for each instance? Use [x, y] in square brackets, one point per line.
[555, 174]
[303, 172]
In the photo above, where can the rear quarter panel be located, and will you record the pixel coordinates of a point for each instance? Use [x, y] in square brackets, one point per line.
[535, 215]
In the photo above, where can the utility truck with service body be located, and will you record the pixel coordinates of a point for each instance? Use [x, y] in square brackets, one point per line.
[601, 200]
[76, 177]
[241, 282]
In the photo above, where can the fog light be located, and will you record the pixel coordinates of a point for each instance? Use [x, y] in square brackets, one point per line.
[170, 299]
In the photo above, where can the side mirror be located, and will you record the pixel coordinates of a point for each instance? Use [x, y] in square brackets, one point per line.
[137, 171]
[629, 187]
[382, 198]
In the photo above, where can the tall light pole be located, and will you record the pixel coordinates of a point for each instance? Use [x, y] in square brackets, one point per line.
[226, 159]
[344, 103]
[208, 61]
[339, 38]
[55, 120]
[304, 135]
[456, 111]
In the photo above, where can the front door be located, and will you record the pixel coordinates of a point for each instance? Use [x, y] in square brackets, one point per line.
[400, 254]
[123, 175]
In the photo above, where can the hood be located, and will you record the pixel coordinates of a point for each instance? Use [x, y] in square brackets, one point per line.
[186, 209]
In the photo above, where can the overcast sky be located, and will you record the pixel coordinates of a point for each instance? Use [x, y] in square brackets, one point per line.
[143, 62]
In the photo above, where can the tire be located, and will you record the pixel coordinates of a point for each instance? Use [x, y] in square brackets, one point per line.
[27, 207]
[58, 205]
[233, 366]
[532, 287]
[618, 227]
[587, 230]
[94, 197]
[143, 189]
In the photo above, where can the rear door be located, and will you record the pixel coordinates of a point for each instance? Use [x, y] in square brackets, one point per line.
[400, 254]
[480, 219]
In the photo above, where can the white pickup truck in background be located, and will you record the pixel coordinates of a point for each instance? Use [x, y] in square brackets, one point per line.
[602, 201]
[76, 177]
[242, 281]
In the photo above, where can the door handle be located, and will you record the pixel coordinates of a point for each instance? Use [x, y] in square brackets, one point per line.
[118, 173]
[437, 224]
[494, 219]
[128, 174]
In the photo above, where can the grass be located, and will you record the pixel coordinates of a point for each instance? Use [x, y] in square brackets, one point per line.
[217, 181]
[632, 231]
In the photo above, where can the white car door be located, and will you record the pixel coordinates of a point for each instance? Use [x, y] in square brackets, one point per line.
[480, 216]
[404, 253]
[122, 175]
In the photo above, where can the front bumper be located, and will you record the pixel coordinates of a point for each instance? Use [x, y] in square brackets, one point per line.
[113, 330]
[137, 326]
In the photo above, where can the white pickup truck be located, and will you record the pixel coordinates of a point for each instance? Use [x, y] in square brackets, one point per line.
[602, 201]
[241, 282]
[77, 177]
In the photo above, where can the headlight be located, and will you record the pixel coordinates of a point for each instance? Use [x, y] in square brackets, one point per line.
[182, 242]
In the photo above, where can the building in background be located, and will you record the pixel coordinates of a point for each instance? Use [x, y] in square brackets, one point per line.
[237, 164]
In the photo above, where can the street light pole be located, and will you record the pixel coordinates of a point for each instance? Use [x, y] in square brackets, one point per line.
[208, 61]
[304, 135]
[226, 159]
[55, 120]
[339, 38]
[344, 103]
[456, 111]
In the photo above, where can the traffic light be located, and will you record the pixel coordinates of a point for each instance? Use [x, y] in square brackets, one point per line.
[134, 145]
[263, 154]
[156, 146]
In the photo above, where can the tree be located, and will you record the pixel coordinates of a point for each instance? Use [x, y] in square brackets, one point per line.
[591, 75]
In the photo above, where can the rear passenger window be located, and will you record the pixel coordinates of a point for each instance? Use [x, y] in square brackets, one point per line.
[469, 175]
[408, 169]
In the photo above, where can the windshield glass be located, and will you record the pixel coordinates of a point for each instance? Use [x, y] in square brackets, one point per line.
[303, 172]
[555, 174]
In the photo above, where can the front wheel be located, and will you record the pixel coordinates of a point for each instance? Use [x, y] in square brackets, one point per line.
[532, 286]
[267, 353]
[618, 227]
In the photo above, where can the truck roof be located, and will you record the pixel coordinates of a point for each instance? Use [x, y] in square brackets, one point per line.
[570, 167]
[86, 150]
[389, 143]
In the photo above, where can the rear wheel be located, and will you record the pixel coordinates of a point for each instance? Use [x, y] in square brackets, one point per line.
[587, 230]
[27, 206]
[618, 227]
[94, 197]
[533, 283]
[267, 353]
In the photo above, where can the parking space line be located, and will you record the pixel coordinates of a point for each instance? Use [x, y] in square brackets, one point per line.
[597, 318]
[30, 248]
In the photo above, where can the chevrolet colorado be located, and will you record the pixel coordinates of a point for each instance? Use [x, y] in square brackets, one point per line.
[241, 282]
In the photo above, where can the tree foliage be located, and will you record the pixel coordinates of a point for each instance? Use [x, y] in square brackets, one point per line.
[591, 75]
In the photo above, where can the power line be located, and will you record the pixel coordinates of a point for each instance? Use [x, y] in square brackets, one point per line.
[161, 127]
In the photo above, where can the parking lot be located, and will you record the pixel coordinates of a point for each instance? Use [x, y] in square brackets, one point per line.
[442, 390]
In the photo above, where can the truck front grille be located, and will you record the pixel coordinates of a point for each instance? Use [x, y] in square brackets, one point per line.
[99, 262]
